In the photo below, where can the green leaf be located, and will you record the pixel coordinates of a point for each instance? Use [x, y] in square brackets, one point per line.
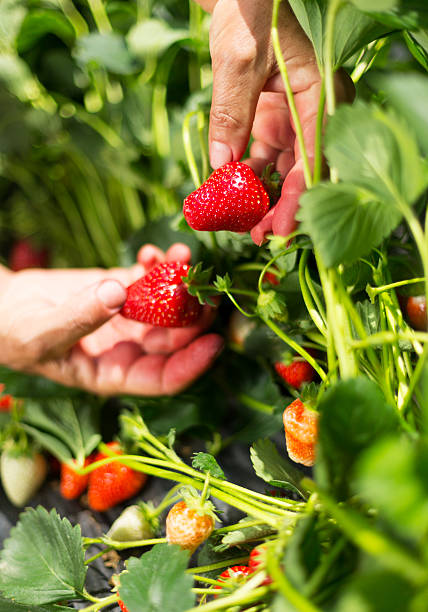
[207, 463]
[40, 22]
[335, 216]
[402, 15]
[408, 93]
[157, 581]
[27, 385]
[353, 415]
[303, 551]
[275, 469]
[6, 605]
[374, 5]
[352, 29]
[376, 590]
[153, 36]
[67, 428]
[376, 150]
[12, 13]
[107, 50]
[393, 477]
[417, 43]
[42, 560]
[237, 537]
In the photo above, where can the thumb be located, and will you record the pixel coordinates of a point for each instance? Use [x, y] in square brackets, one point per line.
[65, 324]
[239, 75]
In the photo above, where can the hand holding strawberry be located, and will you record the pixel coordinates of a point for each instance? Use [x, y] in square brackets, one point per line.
[66, 326]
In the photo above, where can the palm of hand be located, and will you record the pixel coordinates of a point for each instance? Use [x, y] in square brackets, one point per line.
[45, 332]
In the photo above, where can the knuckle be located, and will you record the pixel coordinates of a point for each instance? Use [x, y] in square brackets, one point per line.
[222, 117]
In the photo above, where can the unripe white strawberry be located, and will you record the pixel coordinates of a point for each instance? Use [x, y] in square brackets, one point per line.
[137, 522]
[22, 473]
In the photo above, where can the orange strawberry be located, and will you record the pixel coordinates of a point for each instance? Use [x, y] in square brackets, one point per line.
[73, 484]
[189, 523]
[113, 482]
[301, 430]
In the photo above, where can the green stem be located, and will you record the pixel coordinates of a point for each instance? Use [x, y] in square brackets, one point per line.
[133, 544]
[291, 595]
[107, 601]
[203, 569]
[289, 92]
[373, 542]
[100, 16]
[296, 347]
[307, 294]
[246, 400]
[374, 291]
[187, 143]
[318, 136]
[329, 63]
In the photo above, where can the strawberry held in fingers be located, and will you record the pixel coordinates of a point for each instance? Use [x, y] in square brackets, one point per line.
[161, 298]
[232, 198]
[301, 431]
[113, 482]
[189, 523]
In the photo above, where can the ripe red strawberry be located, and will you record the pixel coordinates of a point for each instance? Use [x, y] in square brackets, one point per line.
[234, 576]
[301, 430]
[25, 254]
[122, 606]
[416, 308]
[295, 373]
[113, 482]
[73, 484]
[6, 402]
[161, 297]
[257, 561]
[271, 278]
[189, 523]
[232, 198]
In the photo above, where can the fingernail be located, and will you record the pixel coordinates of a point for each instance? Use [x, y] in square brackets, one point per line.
[112, 294]
[220, 154]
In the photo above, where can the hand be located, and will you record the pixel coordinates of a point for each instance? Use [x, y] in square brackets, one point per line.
[64, 324]
[248, 95]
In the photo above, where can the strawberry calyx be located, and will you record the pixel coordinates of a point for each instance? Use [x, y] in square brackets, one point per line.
[272, 181]
[195, 502]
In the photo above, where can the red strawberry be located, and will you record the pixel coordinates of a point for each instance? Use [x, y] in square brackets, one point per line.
[295, 373]
[232, 198]
[6, 402]
[234, 576]
[113, 482]
[257, 561]
[301, 430]
[161, 297]
[189, 523]
[122, 606]
[271, 278]
[416, 308]
[25, 254]
[73, 484]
